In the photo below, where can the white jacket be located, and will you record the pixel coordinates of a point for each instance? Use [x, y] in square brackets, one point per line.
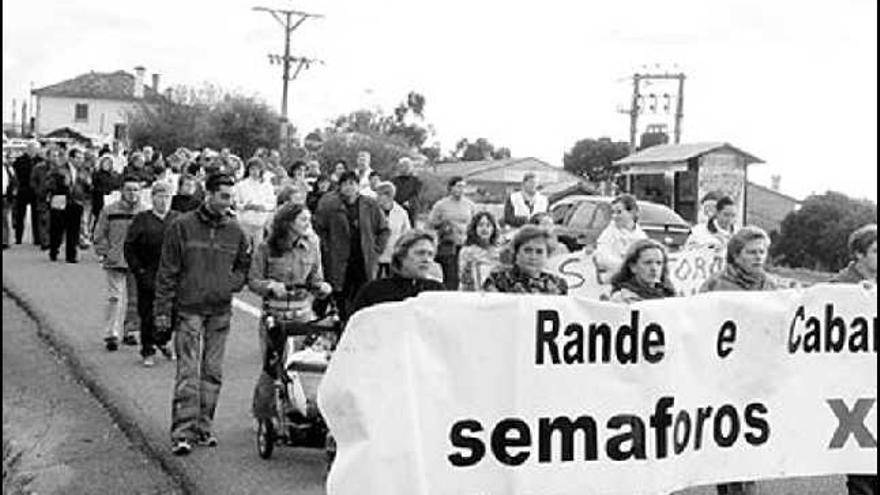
[521, 208]
[702, 237]
[612, 245]
[398, 223]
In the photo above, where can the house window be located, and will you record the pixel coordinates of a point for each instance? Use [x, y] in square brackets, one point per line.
[81, 112]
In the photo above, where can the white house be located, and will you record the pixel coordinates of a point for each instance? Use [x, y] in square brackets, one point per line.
[96, 104]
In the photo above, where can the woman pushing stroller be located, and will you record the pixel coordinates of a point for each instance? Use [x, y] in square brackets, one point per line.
[290, 257]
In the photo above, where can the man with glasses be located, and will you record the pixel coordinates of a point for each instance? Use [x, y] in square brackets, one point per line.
[110, 233]
[205, 259]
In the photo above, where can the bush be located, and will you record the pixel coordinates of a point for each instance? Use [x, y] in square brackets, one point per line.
[815, 236]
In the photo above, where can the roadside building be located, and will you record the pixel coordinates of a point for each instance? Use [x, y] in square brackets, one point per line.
[97, 104]
[492, 181]
[677, 175]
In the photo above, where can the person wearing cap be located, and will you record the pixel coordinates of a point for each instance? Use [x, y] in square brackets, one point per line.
[412, 261]
[522, 204]
[142, 250]
[408, 188]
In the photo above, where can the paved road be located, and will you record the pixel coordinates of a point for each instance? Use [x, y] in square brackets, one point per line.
[71, 298]
[69, 442]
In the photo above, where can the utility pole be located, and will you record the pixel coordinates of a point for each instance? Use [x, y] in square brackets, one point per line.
[636, 108]
[286, 19]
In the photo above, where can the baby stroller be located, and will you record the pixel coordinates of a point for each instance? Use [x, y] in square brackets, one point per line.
[297, 352]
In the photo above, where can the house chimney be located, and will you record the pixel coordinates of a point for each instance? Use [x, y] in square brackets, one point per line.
[774, 182]
[139, 82]
[156, 83]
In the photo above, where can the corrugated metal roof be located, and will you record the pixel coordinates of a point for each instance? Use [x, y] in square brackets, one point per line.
[666, 153]
[117, 85]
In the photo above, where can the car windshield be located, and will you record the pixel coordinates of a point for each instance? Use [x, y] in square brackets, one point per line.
[650, 213]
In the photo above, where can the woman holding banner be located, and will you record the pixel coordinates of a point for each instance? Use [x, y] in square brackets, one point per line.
[532, 248]
[746, 256]
[643, 275]
[480, 254]
[619, 235]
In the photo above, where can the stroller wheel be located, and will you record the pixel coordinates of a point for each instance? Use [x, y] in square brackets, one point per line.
[265, 438]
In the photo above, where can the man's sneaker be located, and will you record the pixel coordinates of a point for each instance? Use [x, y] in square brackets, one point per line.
[206, 440]
[111, 343]
[130, 340]
[149, 362]
[181, 447]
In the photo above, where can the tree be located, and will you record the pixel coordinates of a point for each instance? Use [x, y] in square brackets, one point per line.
[205, 116]
[816, 235]
[592, 158]
[406, 122]
[167, 126]
[243, 124]
[481, 149]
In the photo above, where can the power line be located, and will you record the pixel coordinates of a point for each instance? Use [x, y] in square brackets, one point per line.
[289, 20]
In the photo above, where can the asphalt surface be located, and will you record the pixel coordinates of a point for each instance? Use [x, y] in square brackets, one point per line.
[69, 443]
[68, 299]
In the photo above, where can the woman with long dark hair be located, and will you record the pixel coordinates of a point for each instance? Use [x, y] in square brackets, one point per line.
[643, 275]
[480, 254]
[288, 257]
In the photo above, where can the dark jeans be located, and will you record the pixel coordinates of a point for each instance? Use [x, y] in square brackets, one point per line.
[41, 235]
[448, 261]
[861, 484]
[65, 224]
[355, 278]
[149, 339]
[6, 232]
[20, 210]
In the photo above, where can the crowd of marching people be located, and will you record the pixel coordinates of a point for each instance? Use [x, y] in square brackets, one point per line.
[215, 224]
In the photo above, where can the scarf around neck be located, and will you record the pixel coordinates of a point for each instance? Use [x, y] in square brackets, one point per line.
[644, 291]
[744, 279]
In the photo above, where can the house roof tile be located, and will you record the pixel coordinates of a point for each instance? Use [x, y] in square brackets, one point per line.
[117, 85]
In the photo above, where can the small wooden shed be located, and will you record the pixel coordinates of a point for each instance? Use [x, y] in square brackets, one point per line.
[678, 175]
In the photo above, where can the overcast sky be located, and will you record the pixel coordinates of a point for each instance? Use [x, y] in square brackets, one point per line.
[794, 83]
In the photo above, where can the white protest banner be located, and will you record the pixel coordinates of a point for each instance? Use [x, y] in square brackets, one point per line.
[500, 394]
[688, 270]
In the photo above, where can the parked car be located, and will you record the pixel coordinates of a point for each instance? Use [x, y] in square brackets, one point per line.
[580, 219]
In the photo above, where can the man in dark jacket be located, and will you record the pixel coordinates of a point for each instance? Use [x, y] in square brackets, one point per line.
[353, 233]
[40, 184]
[68, 192]
[863, 268]
[408, 188]
[205, 258]
[143, 249]
[26, 196]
